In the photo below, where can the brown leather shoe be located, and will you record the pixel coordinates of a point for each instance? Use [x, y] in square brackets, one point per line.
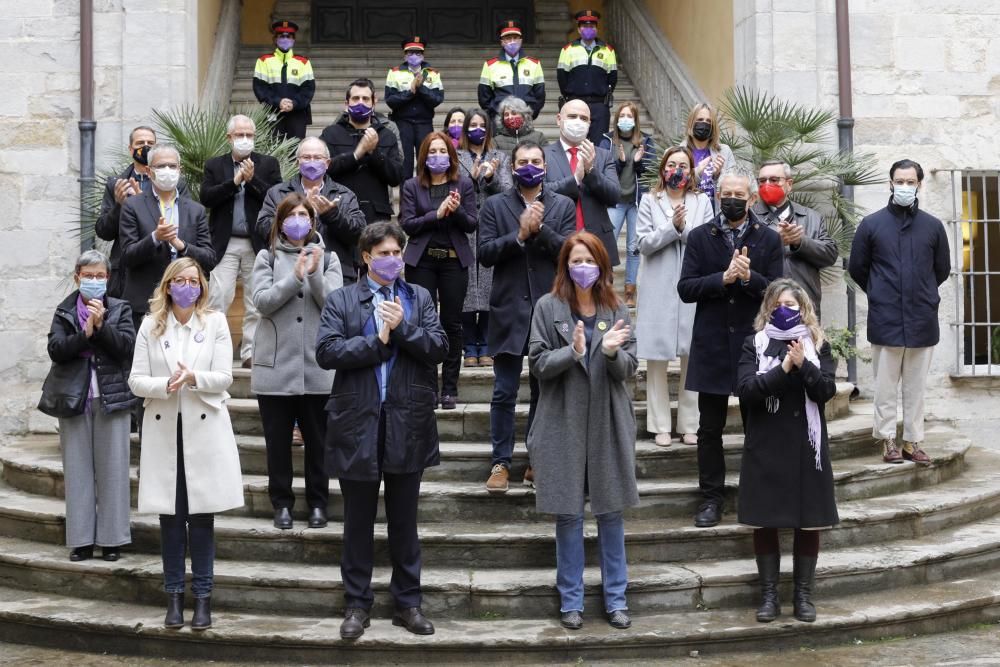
[630, 296]
[890, 453]
[486, 361]
[247, 363]
[498, 480]
[471, 362]
[912, 452]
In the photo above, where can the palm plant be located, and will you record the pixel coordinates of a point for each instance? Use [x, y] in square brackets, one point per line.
[198, 134]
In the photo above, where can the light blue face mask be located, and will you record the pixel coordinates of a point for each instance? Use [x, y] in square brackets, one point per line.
[93, 288]
[626, 124]
[904, 195]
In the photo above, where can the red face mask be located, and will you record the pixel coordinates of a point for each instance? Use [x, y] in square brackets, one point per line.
[513, 122]
[772, 194]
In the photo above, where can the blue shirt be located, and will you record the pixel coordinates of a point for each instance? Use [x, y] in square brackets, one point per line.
[377, 298]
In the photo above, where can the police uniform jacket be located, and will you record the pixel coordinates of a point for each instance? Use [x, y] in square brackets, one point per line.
[500, 79]
[413, 106]
[587, 75]
[281, 75]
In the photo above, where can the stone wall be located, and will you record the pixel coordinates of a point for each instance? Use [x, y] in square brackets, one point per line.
[925, 82]
[142, 54]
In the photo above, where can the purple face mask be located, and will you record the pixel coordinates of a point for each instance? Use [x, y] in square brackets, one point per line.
[786, 318]
[285, 43]
[296, 227]
[359, 112]
[313, 170]
[438, 163]
[185, 295]
[476, 135]
[455, 131]
[588, 33]
[387, 268]
[529, 175]
[414, 59]
[512, 48]
[584, 275]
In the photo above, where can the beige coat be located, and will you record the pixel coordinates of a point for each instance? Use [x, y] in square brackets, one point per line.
[211, 461]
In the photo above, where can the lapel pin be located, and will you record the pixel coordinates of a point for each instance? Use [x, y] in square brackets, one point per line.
[602, 325]
[199, 337]
[564, 327]
[166, 345]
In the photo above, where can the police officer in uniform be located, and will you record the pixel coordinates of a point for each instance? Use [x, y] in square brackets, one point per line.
[413, 90]
[512, 73]
[285, 82]
[588, 71]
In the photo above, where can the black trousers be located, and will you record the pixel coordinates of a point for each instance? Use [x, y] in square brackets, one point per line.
[358, 555]
[713, 410]
[600, 119]
[291, 124]
[411, 135]
[278, 414]
[447, 282]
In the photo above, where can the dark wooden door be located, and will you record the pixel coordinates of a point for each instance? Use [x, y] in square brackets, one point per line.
[381, 21]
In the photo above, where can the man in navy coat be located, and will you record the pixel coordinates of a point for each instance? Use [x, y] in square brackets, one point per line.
[900, 258]
[727, 266]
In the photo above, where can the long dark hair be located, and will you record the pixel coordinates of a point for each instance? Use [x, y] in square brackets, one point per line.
[488, 141]
[423, 173]
[603, 290]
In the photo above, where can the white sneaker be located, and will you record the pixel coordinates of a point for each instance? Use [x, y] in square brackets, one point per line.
[663, 439]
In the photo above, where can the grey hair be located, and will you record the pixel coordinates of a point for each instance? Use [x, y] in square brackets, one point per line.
[738, 171]
[161, 148]
[326, 149]
[518, 106]
[90, 258]
[231, 125]
[787, 168]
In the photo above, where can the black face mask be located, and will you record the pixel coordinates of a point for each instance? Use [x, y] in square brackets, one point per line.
[702, 130]
[141, 155]
[734, 209]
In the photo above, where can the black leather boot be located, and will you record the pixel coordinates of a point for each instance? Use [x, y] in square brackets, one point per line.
[804, 576]
[768, 568]
[175, 611]
[202, 619]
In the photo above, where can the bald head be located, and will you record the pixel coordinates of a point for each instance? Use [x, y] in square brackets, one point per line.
[574, 122]
[311, 146]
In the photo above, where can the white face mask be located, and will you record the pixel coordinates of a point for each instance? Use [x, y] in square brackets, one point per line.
[243, 146]
[166, 178]
[574, 129]
[904, 195]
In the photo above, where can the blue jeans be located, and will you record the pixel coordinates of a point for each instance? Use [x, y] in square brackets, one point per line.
[178, 531]
[622, 214]
[506, 382]
[475, 325]
[570, 560]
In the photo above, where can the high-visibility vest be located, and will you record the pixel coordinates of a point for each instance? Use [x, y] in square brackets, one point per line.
[587, 74]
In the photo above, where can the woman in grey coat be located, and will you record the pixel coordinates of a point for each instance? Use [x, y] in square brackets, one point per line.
[663, 323]
[514, 125]
[582, 440]
[291, 279]
[489, 171]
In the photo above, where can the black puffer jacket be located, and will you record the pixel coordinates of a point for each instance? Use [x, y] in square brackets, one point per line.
[112, 345]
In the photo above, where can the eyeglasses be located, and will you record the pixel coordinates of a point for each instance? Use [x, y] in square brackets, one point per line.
[93, 276]
[180, 281]
[773, 180]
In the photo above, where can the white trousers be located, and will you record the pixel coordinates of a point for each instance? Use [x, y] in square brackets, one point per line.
[658, 416]
[892, 364]
[237, 262]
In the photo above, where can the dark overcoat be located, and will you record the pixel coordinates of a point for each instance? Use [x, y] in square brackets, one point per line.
[521, 273]
[218, 194]
[725, 313]
[583, 434]
[779, 484]
[348, 343]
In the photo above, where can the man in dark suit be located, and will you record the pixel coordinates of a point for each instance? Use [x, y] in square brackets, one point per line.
[520, 234]
[584, 173]
[133, 180]
[340, 219]
[159, 226]
[233, 188]
[728, 264]
[383, 337]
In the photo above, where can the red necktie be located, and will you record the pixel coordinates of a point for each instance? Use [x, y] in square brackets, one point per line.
[579, 206]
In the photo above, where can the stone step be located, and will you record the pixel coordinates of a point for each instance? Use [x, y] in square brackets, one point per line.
[471, 593]
[911, 514]
[54, 620]
[849, 436]
[40, 471]
[471, 421]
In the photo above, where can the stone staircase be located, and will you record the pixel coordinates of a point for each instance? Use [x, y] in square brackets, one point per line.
[917, 550]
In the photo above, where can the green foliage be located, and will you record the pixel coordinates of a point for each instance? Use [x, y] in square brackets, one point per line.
[198, 134]
[841, 346]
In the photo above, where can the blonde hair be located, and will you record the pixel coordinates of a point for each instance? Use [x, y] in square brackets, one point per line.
[806, 308]
[161, 301]
[713, 140]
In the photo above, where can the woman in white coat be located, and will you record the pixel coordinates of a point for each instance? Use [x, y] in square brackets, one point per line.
[189, 467]
[663, 323]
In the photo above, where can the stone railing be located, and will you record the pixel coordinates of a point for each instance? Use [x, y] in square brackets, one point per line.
[660, 78]
[218, 84]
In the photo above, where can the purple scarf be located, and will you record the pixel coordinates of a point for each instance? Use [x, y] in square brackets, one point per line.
[765, 363]
[82, 314]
